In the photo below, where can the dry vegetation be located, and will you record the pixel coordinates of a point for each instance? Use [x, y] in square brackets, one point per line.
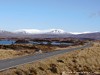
[84, 60]
[12, 51]
[5, 54]
[21, 50]
[16, 50]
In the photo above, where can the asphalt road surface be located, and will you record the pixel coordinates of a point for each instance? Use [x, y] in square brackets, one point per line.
[10, 63]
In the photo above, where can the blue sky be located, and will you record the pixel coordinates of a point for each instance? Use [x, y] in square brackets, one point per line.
[69, 15]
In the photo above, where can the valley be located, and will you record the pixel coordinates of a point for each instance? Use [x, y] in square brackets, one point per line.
[21, 48]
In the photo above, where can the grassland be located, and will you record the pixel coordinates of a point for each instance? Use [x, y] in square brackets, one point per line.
[22, 50]
[6, 54]
[84, 60]
[12, 51]
[17, 50]
[9, 52]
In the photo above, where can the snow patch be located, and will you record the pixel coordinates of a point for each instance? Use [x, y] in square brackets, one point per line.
[76, 33]
[36, 31]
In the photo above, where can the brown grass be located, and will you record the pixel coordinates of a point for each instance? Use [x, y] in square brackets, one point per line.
[12, 51]
[22, 50]
[5, 54]
[84, 60]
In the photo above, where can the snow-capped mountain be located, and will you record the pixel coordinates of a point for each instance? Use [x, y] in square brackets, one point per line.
[28, 31]
[1, 31]
[4, 34]
[50, 33]
[87, 32]
[57, 31]
[36, 31]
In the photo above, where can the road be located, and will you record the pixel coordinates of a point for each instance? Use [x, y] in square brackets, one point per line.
[10, 63]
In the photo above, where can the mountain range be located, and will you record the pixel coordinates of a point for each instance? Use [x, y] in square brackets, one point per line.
[51, 33]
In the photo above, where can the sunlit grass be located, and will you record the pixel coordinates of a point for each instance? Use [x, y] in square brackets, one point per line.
[84, 60]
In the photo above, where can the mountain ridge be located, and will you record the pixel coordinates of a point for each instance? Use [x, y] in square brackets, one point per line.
[37, 31]
[51, 33]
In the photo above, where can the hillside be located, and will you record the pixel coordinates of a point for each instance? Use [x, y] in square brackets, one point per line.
[85, 60]
[95, 35]
[51, 33]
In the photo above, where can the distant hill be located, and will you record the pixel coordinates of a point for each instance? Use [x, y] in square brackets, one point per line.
[52, 33]
[27, 33]
[95, 35]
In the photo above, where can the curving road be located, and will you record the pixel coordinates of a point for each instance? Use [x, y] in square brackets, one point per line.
[10, 63]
